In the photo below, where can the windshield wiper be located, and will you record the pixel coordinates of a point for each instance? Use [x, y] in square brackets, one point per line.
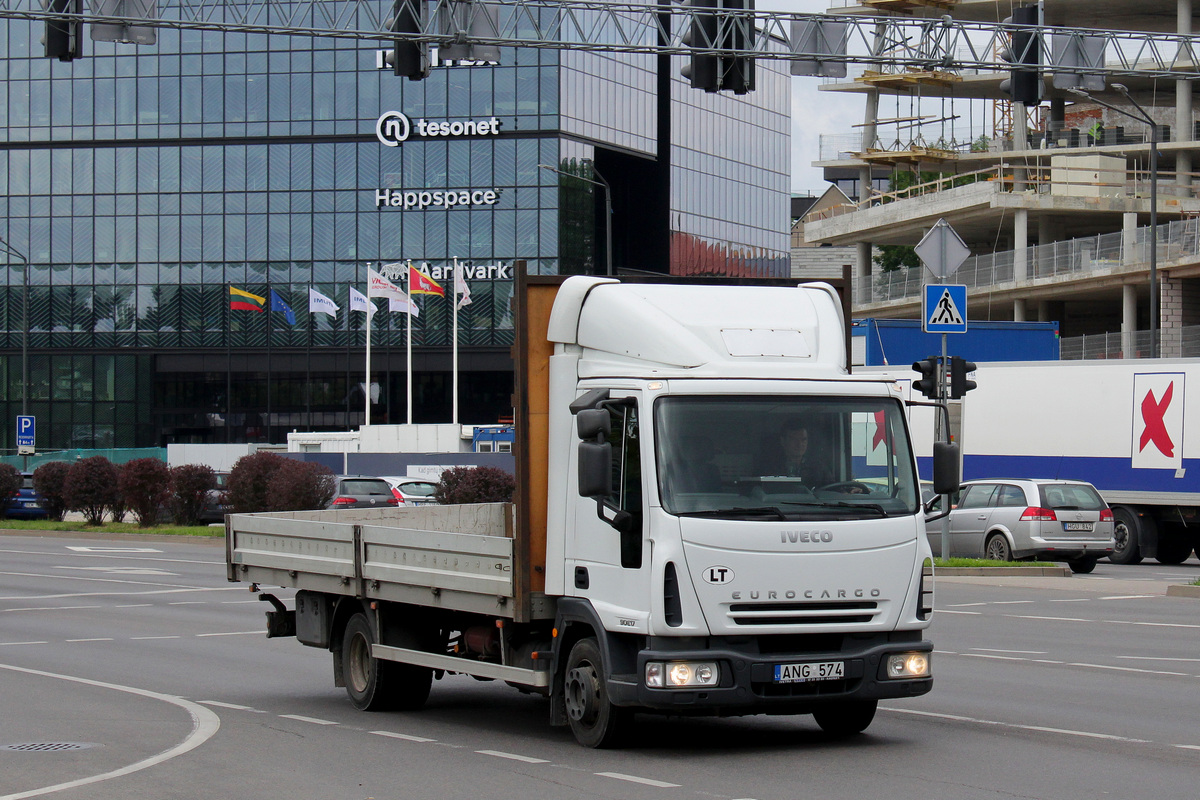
[719, 512]
[842, 504]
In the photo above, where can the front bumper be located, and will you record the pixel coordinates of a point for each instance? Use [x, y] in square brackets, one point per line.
[747, 685]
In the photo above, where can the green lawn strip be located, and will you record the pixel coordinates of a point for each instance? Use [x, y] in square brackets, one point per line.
[983, 562]
[111, 527]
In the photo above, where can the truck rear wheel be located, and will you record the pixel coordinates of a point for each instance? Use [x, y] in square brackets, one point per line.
[1174, 544]
[1127, 532]
[846, 718]
[374, 684]
[594, 721]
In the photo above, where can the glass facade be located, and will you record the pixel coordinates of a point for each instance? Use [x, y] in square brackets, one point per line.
[144, 183]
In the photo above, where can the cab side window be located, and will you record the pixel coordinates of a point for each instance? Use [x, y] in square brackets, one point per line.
[627, 481]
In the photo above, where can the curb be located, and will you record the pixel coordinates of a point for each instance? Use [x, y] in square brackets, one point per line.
[1008, 572]
[1183, 590]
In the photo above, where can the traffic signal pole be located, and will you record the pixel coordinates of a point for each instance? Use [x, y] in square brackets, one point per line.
[944, 421]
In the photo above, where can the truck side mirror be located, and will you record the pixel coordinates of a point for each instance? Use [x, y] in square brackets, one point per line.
[593, 423]
[595, 469]
[946, 475]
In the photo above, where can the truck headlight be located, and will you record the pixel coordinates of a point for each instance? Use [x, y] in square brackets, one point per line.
[901, 666]
[681, 674]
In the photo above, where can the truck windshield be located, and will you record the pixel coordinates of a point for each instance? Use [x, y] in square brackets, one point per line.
[774, 458]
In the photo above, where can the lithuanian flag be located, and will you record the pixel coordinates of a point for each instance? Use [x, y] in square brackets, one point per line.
[251, 302]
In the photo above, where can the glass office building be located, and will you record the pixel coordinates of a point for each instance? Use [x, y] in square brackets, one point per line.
[146, 183]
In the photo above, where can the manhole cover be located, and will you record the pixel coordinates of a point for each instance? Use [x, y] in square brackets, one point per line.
[44, 747]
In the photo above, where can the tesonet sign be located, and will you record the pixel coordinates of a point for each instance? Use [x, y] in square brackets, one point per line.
[393, 127]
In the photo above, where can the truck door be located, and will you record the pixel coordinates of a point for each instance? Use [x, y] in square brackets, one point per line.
[607, 559]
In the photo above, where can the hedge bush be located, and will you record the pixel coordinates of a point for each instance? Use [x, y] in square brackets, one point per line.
[247, 489]
[91, 488]
[49, 481]
[190, 485]
[475, 485]
[145, 486]
[10, 484]
[300, 486]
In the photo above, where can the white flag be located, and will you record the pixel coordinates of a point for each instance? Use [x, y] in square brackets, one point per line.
[379, 286]
[404, 306]
[320, 304]
[461, 288]
[358, 301]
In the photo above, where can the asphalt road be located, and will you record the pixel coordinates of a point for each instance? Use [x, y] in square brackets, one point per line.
[130, 669]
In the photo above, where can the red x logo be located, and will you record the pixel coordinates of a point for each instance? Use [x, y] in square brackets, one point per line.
[1156, 427]
[881, 429]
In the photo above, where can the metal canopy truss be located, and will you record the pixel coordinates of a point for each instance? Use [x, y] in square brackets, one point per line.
[891, 43]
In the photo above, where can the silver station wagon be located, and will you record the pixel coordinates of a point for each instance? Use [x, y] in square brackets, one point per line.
[1053, 520]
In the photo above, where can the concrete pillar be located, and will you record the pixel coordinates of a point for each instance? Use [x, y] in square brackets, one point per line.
[1020, 142]
[862, 274]
[1045, 247]
[1183, 105]
[1129, 252]
[1170, 315]
[1020, 245]
[1128, 320]
[1044, 311]
[1019, 309]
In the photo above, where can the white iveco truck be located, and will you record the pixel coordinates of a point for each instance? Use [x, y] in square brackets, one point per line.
[662, 553]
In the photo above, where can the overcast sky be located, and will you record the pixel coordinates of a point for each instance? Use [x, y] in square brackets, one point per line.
[813, 112]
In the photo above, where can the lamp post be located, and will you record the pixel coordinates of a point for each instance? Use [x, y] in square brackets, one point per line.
[607, 208]
[9, 250]
[1146, 118]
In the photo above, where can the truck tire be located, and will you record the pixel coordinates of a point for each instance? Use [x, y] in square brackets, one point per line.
[374, 684]
[997, 549]
[1127, 533]
[594, 721]
[1174, 544]
[1082, 566]
[846, 718]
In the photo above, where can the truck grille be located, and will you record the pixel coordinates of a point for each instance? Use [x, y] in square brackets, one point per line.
[803, 613]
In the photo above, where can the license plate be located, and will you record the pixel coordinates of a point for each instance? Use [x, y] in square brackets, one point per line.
[1077, 526]
[816, 671]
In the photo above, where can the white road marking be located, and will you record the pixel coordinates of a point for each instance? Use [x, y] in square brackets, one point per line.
[993, 656]
[10, 644]
[121, 557]
[97, 639]
[1189, 746]
[404, 736]
[1129, 669]
[135, 605]
[48, 608]
[948, 611]
[1011, 602]
[237, 602]
[147, 638]
[81, 549]
[188, 603]
[1073, 600]
[125, 570]
[1128, 597]
[1024, 652]
[233, 633]
[233, 706]
[1159, 658]
[60, 576]
[177, 590]
[1050, 619]
[1046, 661]
[631, 778]
[204, 726]
[1148, 624]
[512, 756]
[313, 720]
[1013, 725]
[965, 605]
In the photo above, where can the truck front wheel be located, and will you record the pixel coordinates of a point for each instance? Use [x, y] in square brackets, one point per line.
[593, 719]
[846, 718]
[374, 684]
[1126, 533]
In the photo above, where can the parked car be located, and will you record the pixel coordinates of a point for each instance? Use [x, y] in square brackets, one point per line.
[412, 491]
[215, 504]
[26, 503]
[1005, 519]
[356, 491]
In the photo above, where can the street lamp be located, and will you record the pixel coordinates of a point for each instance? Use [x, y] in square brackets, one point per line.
[1146, 118]
[9, 250]
[607, 207]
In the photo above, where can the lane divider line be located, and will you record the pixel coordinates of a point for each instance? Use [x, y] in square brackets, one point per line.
[233, 706]
[313, 720]
[1013, 725]
[406, 737]
[512, 756]
[623, 777]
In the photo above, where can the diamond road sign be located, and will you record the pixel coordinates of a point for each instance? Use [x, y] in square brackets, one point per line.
[942, 250]
[944, 308]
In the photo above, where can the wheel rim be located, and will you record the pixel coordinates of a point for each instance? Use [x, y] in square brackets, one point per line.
[360, 664]
[1120, 537]
[997, 551]
[582, 694]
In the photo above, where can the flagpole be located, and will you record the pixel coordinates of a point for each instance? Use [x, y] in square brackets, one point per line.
[228, 370]
[308, 368]
[270, 330]
[454, 346]
[367, 383]
[349, 297]
[408, 365]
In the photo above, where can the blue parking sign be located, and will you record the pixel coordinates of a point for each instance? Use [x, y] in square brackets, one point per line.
[26, 434]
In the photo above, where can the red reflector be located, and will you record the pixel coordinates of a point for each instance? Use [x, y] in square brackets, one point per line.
[1037, 514]
[1106, 515]
[343, 501]
[395, 502]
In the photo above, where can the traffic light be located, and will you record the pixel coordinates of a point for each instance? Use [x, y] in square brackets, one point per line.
[63, 37]
[704, 69]
[737, 72]
[959, 385]
[927, 384]
[1024, 53]
[408, 58]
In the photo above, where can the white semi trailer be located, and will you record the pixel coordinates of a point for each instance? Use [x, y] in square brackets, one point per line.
[657, 557]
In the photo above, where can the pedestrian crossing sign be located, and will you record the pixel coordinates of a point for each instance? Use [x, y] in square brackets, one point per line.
[944, 308]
